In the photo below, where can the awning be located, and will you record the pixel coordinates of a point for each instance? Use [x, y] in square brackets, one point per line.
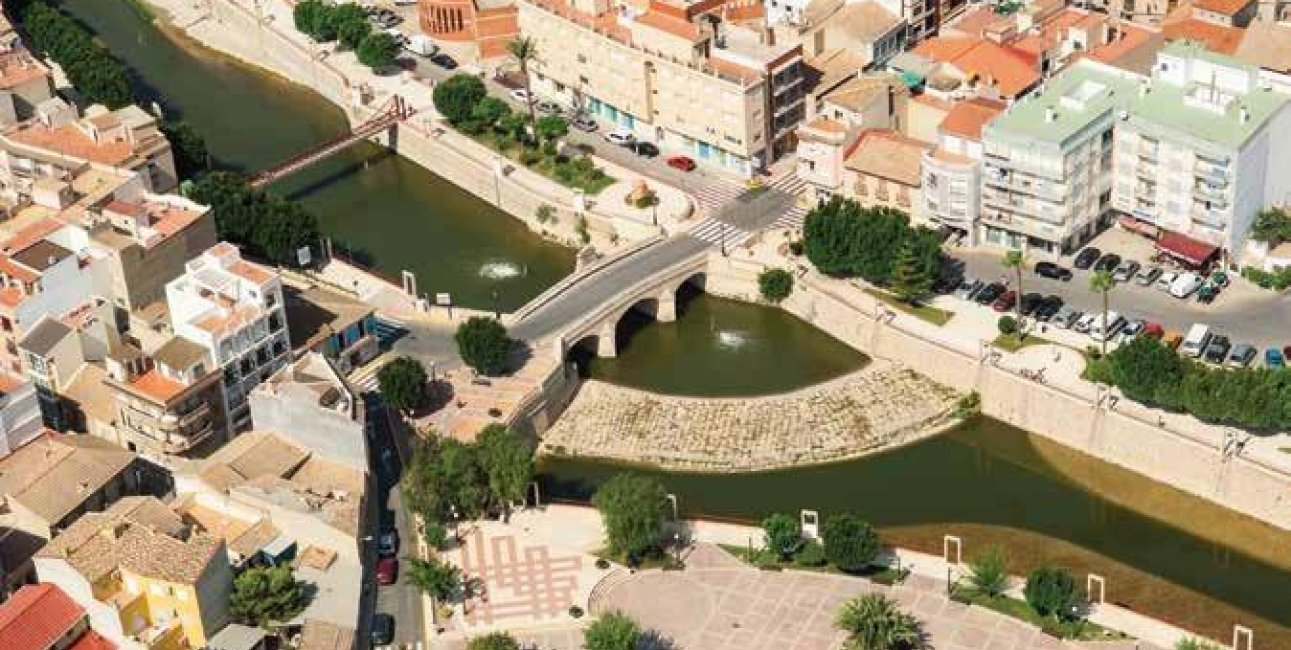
[911, 79]
[1185, 248]
[1134, 225]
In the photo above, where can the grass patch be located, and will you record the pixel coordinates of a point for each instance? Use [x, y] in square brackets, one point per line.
[657, 559]
[1285, 450]
[1015, 342]
[926, 313]
[1080, 630]
[563, 169]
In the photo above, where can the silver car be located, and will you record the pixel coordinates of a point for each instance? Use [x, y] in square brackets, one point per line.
[1066, 317]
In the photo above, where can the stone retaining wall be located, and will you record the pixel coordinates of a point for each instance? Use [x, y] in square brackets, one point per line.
[1111, 435]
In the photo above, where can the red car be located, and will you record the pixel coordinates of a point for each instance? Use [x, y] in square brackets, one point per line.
[387, 571]
[1006, 301]
[684, 163]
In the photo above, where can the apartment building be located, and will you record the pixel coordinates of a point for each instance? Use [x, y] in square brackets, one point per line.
[310, 403]
[1047, 161]
[56, 350]
[147, 580]
[481, 27]
[1201, 148]
[333, 324]
[44, 617]
[952, 175]
[234, 310]
[882, 170]
[57, 145]
[673, 73]
[25, 83]
[19, 414]
[866, 30]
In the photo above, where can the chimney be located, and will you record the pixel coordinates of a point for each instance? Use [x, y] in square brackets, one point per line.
[1050, 115]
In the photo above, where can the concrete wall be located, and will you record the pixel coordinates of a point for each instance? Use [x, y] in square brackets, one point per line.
[294, 412]
[276, 52]
[1127, 439]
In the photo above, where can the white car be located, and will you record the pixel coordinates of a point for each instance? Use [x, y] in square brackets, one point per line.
[1085, 323]
[1184, 285]
[620, 137]
[521, 95]
[1163, 283]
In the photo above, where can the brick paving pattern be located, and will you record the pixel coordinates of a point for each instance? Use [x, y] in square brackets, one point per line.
[519, 583]
[881, 405]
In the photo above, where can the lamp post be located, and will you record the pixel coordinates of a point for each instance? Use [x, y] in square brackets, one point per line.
[497, 310]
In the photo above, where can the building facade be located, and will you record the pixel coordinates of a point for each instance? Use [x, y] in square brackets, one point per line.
[167, 403]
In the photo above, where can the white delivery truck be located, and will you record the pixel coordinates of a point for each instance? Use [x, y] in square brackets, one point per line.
[421, 45]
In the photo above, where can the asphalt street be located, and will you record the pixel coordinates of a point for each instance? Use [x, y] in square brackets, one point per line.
[389, 447]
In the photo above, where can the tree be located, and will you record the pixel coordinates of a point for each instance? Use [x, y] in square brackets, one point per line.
[775, 285]
[507, 462]
[1102, 282]
[843, 239]
[632, 509]
[1051, 591]
[910, 279]
[433, 532]
[1016, 260]
[494, 641]
[191, 155]
[437, 578]
[270, 227]
[98, 77]
[613, 631]
[489, 111]
[523, 50]
[483, 345]
[782, 534]
[455, 97]
[1142, 367]
[402, 383]
[873, 622]
[988, 572]
[305, 15]
[444, 480]
[378, 50]
[1271, 226]
[352, 33]
[850, 542]
[551, 128]
[1007, 325]
[263, 595]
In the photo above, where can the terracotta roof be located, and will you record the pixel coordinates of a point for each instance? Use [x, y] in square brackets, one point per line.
[54, 474]
[1181, 25]
[36, 617]
[867, 21]
[888, 155]
[1011, 70]
[157, 386]
[1268, 45]
[1223, 7]
[69, 140]
[675, 26]
[30, 234]
[827, 125]
[19, 67]
[967, 118]
[251, 272]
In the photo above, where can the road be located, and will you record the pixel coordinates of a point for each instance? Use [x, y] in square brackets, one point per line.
[400, 600]
[1245, 314]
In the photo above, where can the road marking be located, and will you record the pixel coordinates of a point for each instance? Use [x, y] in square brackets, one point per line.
[715, 232]
[714, 196]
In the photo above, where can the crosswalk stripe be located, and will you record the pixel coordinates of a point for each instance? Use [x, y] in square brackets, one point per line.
[714, 232]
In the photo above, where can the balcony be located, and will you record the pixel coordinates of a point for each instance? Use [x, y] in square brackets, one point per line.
[187, 438]
[1214, 194]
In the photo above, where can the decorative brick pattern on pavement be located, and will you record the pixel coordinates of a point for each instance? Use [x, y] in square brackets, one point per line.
[517, 582]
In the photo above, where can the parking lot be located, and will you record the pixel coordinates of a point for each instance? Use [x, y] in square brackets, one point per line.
[1243, 312]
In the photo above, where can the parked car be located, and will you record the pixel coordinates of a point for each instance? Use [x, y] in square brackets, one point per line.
[1066, 317]
[684, 163]
[1029, 303]
[1218, 349]
[1154, 330]
[382, 629]
[444, 61]
[1207, 293]
[1005, 302]
[1166, 279]
[388, 543]
[1194, 344]
[583, 122]
[387, 571]
[1125, 271]
[1049, 307]
[401, 39]
[548, 107]
[645, 149]
[1107, 262]
[1105, 327]
[521, 95]
[1084, 323]
[1052, 271]
[1184, 285]
[967, 288]
[1086, 258]
[1273, 358]
[421, 45]
[1131, 330]
[1147, 275]
[989, 293]
[620, 137]
[1241, 356]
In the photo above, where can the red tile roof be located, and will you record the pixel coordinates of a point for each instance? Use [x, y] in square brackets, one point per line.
[967, 118]
[37, 616]
[1009, 69]
[1224, 7]
[91, 640]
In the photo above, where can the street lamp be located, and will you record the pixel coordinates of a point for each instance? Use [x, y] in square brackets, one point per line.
[497, 310]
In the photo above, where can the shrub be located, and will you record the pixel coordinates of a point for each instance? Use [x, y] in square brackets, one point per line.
[632, 510]
[1193, 643]
[850, 542]
[434, 533]
[455, 98]
[581, 228]
[494, 641]
[378, 50]
[529, 157]
[989, 571]
[1007, 325]
[545, 214]
[796, 247]
[403, 383]
[613, 631]
[810, 554]
[1051, 591]
[781, 534]
[775, 285]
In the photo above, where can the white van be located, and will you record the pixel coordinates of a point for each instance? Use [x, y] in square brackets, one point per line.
[1105, 329]
[1185, 284]
[1196, 341]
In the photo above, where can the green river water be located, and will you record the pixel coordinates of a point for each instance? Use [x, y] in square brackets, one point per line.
[1164, 552]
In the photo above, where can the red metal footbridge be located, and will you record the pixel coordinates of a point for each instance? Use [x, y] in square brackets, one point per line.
[395, 110]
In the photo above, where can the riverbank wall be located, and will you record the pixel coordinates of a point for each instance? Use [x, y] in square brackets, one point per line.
[1135, 441]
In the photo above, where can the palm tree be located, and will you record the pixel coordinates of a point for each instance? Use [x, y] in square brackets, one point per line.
[1016, 260]
[873, 622]
[1102, 282]
[524, 50]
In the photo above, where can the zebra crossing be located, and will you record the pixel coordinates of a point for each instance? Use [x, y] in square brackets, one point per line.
[714, 196]
[718, 232]
[795, 217]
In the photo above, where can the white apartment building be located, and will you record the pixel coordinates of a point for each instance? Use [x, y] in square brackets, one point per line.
[952, 174]
[1203, 148]
[234, 309]
[674, 74]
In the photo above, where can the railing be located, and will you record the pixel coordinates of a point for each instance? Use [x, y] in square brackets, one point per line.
[395, 110]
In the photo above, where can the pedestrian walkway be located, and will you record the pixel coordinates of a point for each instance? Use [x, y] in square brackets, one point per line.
[797, 215]
[719, 233]
[714, 196]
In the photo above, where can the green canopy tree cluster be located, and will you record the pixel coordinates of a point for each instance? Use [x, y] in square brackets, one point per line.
[403, 383]
[843, 239]
[634, 509]
[449, 479]
[266, 226]
[1148, 371]
[264, 595]
[484, 345]
[348, 23]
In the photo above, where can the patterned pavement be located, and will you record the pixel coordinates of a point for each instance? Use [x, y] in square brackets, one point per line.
[520, 583]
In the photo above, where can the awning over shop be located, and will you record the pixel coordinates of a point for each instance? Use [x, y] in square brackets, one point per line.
[1186, 249]
[1134, 225]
